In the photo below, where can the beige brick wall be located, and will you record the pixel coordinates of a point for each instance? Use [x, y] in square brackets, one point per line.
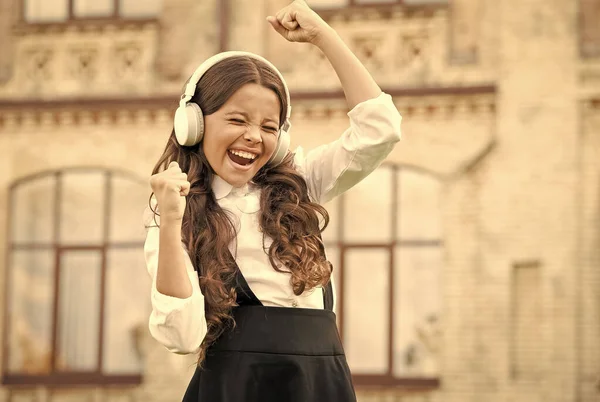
[588, 347]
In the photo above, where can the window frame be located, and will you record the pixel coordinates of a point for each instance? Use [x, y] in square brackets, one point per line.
[54, 377]
[380, 5]
[388, 379]
[359, 3]
[71, 19]
[588, 38]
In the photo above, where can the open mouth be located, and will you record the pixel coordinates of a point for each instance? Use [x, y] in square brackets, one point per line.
[241, 157]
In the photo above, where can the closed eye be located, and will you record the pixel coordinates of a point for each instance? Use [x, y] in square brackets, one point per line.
[270, 129]
[237, 121]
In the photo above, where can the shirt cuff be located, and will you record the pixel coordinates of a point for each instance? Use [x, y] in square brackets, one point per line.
[381, 99]
[166, 305]
[375, 121]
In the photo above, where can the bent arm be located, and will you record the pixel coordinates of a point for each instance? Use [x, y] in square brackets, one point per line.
[334, 168]
[177, 319]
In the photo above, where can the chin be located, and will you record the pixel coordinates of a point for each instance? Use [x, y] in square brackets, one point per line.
[238, 180]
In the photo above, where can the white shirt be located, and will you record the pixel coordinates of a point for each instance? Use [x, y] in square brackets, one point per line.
[329, 170]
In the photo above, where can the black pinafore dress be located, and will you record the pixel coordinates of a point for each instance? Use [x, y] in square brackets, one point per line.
[275, 354]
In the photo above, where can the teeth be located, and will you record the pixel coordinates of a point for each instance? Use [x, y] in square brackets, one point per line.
[243, 154]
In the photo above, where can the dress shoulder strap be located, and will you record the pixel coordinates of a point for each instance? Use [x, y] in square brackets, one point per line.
[328, 297]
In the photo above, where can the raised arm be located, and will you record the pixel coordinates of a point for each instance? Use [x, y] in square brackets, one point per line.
[298, 23]
[374, 120]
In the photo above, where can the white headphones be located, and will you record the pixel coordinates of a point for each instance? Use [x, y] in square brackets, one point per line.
[189, 120]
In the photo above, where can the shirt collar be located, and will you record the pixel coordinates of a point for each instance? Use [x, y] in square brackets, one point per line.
[222, 189]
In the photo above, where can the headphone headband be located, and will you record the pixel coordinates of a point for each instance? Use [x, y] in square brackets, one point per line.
[190, 87]
[188, 122]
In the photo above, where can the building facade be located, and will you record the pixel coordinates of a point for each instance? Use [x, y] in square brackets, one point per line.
[479, 237]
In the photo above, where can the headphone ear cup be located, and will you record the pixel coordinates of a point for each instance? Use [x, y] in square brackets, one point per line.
[189, 125]
[281, 149]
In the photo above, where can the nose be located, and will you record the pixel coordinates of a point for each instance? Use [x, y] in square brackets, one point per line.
[253, 135]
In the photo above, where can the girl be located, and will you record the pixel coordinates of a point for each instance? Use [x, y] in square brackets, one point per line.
[250, 290]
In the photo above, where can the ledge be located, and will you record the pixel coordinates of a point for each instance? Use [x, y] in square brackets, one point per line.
[90, 104]
[400, 91]
[370, 382]
[381, 10]
[82, 25]
[84, 111]
[70, 379]
[171, 101]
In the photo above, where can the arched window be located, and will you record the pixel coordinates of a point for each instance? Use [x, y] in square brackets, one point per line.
[384, 240]
[76, 286]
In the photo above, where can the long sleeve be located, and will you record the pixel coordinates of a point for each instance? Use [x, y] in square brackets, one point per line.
[333, 168]
[178, 324]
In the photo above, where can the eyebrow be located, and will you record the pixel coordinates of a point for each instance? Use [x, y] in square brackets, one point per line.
[247, 116]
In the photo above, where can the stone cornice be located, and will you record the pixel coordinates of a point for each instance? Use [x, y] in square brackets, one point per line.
[426, 103]
[377, 11]
[114, 112]
[86, 25]
[75, 104]
[403, 91]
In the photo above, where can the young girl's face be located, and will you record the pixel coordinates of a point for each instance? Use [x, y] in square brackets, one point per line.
[241, 136]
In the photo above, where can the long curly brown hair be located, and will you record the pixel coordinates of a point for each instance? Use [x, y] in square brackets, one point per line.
[287, 215]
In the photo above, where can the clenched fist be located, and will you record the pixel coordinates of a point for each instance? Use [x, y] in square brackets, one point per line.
[297, 22]
[170, 188]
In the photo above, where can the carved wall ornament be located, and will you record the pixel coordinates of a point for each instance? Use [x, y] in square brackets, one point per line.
[38, 63]
[127, 61]
[370, 49]
[76, 61]
[413, 48]
[83, 63]
[405, 50]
